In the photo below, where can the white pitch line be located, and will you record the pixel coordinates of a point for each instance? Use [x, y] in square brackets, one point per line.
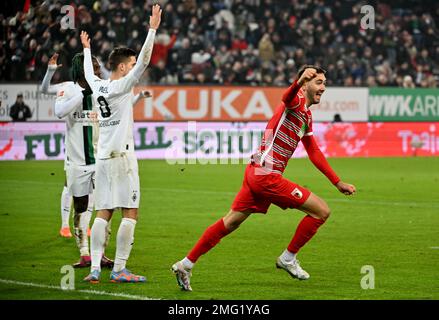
[101, 293]
[434, 248]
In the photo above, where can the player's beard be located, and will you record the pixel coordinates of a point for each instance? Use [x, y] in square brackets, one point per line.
[317, 97]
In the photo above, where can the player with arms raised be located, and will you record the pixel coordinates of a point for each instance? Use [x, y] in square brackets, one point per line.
[117, 178]
[264, 184]
[74, 104]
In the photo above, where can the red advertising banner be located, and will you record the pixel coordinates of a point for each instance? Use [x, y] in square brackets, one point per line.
[379, 139]
[217, 141]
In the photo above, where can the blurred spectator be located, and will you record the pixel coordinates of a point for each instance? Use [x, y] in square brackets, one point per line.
[19, 110]
[247, 42]
[408, 82]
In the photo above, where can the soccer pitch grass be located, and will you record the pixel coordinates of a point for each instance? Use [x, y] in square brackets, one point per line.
[391, 224]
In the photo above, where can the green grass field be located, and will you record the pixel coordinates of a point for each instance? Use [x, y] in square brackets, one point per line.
[392, 224]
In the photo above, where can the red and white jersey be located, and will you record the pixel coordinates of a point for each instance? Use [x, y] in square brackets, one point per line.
[292, 120]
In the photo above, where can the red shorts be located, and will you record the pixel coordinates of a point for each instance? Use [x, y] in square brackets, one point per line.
[260, 189]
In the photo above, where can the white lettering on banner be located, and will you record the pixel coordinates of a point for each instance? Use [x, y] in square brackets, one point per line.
[221, 106]
[430, 103]
[398, 105]
[158, 104]
[405, 107]
[258, 104]
[427, 141]
[226, 104]
[386, 105]
[199, 113]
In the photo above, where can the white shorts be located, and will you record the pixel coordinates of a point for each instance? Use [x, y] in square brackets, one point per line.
[117, 182]
[80, 179]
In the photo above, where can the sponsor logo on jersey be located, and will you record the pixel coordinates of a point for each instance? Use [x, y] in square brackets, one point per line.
[109, 123]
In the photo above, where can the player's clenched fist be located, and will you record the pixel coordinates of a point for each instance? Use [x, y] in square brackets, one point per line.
[307, 75]
[154, 20]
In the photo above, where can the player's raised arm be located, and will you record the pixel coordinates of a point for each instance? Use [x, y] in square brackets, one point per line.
[290, 98]
[88, 65]
[145, 53]
[51, 68]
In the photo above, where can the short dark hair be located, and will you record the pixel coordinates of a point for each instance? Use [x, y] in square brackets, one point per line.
[306, 66]
[78, 66]
[119, 55]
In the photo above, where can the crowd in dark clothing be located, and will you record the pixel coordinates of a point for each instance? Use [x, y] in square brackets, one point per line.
[235, 42]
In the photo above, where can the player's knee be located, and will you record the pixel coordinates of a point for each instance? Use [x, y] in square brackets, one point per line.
[233, 220]
[232, 225]
[324, 212]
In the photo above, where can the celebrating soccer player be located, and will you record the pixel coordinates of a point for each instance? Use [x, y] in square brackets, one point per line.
[74, 103]
[117, 178]
[264, 184]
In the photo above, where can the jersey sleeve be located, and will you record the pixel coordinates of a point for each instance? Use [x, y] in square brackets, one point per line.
[292, 97]
[92, 80]
[46, 88]
[318, 159]
[67, 99]
[126, 83]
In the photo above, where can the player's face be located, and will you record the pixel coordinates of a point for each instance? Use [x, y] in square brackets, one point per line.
[127, 66]
[315, 88]
[96, 68]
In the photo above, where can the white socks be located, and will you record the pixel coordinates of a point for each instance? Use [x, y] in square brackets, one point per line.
[66, 203]
[125, 239]
[81, 234]
[86, 216]
[287, 256]
[187, 264]
[98, 233]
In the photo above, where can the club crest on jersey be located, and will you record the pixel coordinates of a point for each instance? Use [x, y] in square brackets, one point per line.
[297, 193]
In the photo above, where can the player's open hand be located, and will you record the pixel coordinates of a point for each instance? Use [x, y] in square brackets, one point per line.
[85, 39]
[307, 75]
[53, 61]
[346, 188]
[154, 20]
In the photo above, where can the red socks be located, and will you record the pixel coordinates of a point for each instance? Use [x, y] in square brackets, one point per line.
[208, 240]
[306, 229]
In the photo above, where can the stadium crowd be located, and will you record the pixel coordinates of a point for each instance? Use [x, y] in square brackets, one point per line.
[235, 42]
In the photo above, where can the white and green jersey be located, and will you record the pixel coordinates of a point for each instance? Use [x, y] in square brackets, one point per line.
[70, 104]
[114, 101]
[75, 108]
